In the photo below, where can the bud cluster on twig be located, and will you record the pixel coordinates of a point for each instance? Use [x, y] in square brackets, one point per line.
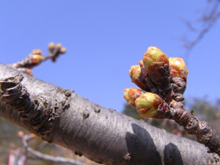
[162, 83]
[36, 57]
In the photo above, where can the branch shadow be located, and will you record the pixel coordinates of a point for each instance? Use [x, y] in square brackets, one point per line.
[143, 150]
[141, 147]
[172, 155]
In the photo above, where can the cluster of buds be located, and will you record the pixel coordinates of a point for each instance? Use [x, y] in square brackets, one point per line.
[160, 79]
[56, 50]
[33, 59]
[36, 57]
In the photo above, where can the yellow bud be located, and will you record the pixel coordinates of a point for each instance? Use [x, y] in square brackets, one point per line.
[63, 50]
[58, 45]
[154, 54]
[135, 72]
[178, 67]
[51, 46]
[156, 64]
[36, 59]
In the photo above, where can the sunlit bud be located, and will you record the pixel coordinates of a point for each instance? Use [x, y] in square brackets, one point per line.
[134, 72]
[63, 50]
[36, 59]
[147, 104]
[58, 45]
[36, 51]
[155, 60]
[136, 77]
[51, 46]
[130, 94]
[177, 67]
[153, 55]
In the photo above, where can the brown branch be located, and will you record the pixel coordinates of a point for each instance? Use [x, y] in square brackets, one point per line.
[36, 57]
[205, 134]
[105, 136]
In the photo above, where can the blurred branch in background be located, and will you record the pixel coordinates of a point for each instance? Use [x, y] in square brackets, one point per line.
[23, 153]
[202, 25]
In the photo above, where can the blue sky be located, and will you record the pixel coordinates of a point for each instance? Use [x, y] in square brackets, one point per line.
[103, 39]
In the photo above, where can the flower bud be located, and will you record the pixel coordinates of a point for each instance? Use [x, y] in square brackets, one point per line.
[157, 65]
[130, 95]
[51, 46]
[152, 55]
[63, 50]
[58, 46]
[154, 60]
[134, 72]
[178, 67]
[36, 51]
[137, 78]
[148, 103]
[36, 59]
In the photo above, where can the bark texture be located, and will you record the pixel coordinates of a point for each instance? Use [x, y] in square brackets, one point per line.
[103, 135]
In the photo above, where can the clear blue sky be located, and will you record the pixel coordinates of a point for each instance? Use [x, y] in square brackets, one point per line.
[103, 39]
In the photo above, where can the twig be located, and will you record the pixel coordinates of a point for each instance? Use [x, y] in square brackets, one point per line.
[208, 19]
[50, 159]
[36, 57]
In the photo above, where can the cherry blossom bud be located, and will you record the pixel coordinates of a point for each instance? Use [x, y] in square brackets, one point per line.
[130, 94]
[58, 46]
[178, 67]
[154, 59]
[51, 46]
[147, 104]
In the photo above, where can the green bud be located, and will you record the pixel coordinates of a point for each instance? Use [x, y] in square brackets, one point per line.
[147, 104]
[152, 55]
[154, 60]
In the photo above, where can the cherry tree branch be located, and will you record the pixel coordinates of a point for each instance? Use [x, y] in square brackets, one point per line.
[100, 134]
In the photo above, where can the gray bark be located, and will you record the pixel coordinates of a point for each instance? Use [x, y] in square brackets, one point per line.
[104, 135]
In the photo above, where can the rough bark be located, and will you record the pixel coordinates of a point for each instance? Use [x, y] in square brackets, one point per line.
[103, 135]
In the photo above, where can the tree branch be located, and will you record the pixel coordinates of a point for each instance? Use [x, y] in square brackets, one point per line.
[209, 17]
[101, 134]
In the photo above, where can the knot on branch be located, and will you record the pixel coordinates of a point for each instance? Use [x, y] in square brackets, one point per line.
[36, 111]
